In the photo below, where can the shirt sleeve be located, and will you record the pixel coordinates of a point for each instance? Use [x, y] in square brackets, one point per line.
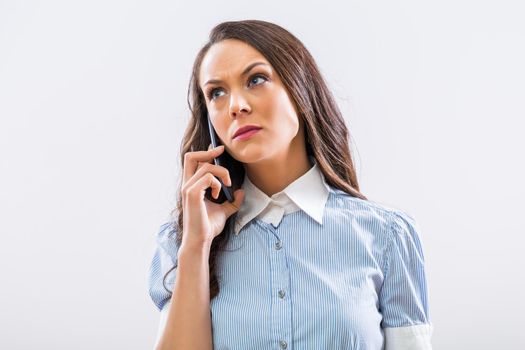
[403, 298]
[164, 259]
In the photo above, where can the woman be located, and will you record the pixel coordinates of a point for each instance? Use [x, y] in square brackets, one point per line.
[300, 259]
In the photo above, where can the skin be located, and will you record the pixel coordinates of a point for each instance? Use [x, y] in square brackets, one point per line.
[275, 156]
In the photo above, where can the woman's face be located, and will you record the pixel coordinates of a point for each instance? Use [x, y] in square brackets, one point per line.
[244, 92]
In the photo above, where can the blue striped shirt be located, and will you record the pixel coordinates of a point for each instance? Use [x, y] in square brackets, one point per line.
[312, 268]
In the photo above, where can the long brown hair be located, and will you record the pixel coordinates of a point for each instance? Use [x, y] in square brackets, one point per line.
[327, 137]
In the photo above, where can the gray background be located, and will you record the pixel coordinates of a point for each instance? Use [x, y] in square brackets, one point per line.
[93, 106]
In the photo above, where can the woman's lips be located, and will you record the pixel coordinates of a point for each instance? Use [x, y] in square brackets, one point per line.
[246, 135]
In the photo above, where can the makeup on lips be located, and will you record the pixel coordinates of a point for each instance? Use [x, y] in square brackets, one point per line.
[246, 135]
[246, 131]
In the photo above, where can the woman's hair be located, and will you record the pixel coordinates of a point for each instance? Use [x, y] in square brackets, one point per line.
[325, 130]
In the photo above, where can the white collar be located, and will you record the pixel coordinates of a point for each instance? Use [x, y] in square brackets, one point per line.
[309, 193]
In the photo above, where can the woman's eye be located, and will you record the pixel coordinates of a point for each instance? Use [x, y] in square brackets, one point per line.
[256, 77]
[211, 94]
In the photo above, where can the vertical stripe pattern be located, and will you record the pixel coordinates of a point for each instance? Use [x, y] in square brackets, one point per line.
[303, 285]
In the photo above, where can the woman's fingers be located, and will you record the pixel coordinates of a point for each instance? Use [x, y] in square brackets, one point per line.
[213, 169]
[199, 164]
[200, 186]
[231, 208]
[192, 159]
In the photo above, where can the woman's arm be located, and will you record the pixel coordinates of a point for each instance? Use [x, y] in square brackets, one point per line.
[188, 325]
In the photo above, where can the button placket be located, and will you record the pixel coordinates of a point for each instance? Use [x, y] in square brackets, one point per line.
[281, 314]
[282, 293]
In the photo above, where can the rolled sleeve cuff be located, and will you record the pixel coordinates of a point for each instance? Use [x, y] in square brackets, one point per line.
[416, 337]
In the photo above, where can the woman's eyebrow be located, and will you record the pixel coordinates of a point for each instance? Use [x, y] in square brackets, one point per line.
[244, 72]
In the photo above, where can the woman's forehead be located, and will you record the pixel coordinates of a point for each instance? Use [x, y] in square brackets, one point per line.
[228, 58]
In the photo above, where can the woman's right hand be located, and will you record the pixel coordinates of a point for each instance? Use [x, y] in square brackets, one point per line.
[203, 220]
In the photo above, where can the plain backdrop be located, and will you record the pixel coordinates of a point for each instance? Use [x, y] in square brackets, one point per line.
[93, 108]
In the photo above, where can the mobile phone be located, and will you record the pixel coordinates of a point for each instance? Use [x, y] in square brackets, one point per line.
[228, 192]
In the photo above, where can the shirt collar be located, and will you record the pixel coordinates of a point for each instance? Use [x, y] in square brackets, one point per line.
[309, 192]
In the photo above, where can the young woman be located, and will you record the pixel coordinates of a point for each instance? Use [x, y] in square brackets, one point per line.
[300, 259]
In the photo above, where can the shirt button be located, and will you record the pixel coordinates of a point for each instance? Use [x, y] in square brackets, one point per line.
[278, 245]
[281, 294]
[283, 344]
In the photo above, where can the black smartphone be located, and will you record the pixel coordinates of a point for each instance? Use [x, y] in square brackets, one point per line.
[228, 192]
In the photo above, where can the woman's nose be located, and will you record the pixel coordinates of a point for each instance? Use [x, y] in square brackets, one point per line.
[238, 103]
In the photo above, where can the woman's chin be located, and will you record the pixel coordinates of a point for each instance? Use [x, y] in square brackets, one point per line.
[249, 156]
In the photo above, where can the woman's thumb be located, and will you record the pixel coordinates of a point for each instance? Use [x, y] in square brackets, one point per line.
[234, 206]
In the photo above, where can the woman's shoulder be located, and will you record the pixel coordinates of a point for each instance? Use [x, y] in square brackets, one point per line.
[166, 230]
[382, 214]
[166, 236]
